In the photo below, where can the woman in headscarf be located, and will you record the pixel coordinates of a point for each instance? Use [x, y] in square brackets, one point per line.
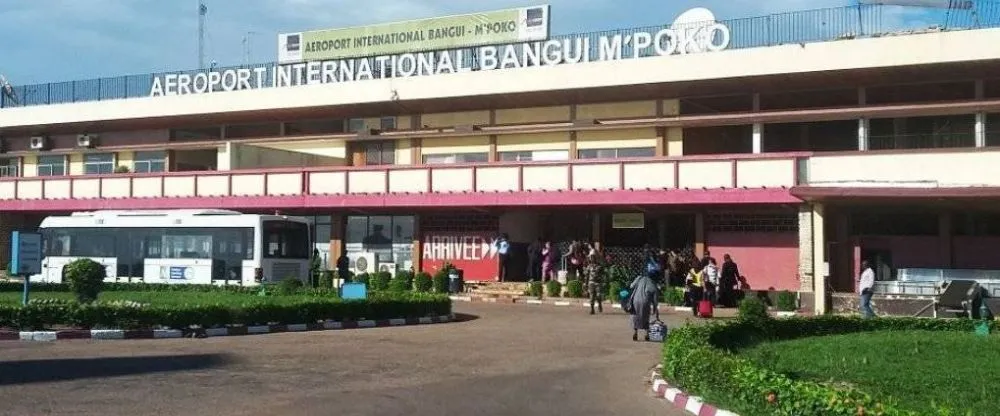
[644, 294]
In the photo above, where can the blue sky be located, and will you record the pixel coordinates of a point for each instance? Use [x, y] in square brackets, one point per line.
[61, 40]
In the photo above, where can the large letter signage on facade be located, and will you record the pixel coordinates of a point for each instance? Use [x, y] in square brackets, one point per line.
[488, 28]
[695, 31]
[474, 253]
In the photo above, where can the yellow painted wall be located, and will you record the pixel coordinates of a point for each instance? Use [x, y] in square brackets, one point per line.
[616, 110]
[76, 164]
[29, 165]
[126, 158]
[455, 119]
[404, 152]
[328, 148]
[452, 145]
[672, 107]
[532, 142]
[615, 139]
[675, 141]
[532, 115]
[403, 122]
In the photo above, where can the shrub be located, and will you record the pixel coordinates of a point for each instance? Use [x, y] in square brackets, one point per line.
[130, 315]
[380, 281]
[699, 360]
[363, 278]
[403, 282]
[752, 310]
[85, 278]
[617, 274]
[613, 291]
[325, 279]
[122, 169]
[535, 289]
[787, 302]
[440, 281]
[553, 289]
[315, 268]
[422, 282]
[574, 288]
[673, 296]
[289, 285]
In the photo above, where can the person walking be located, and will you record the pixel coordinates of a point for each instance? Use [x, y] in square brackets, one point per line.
[503, 247]
[695, 285]
[595, 280]
[643, 295]
[550, 255]
[729, 279]
[866, 285]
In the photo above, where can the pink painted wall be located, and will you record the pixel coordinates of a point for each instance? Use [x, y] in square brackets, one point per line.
[767, 260]
[910, 251]
[976, 252]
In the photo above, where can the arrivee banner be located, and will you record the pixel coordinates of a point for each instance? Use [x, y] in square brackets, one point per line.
[474, 253]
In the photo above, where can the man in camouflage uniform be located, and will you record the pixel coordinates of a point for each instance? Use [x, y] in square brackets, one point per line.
[595, 280]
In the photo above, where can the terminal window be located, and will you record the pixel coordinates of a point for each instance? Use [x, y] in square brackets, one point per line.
[51, 165]
[616, 153]
[98, 163]
[154, 161]
[10, 167]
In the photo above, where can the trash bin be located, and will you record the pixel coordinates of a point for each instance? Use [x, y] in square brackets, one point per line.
[455, 281]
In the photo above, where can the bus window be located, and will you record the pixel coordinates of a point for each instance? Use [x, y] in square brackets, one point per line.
[286, 239]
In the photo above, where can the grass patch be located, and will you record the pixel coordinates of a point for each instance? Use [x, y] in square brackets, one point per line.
[174, 298]
[921, 370]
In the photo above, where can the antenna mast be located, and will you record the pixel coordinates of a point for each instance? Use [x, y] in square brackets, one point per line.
[202, 11]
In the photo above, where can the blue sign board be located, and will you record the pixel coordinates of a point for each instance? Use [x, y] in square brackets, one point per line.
[178, 273]
[25, 253]
[354, 291]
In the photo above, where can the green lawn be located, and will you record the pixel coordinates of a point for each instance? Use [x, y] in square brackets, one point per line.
[916, 368]
[166, 297]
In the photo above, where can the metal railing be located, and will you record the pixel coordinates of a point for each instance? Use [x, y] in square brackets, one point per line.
[806, 26]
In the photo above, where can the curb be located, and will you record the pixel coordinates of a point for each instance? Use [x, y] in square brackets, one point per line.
[681, 400]
[530, 301]
[115, 334]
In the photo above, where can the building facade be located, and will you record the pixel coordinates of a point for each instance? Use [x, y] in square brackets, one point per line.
[799, 155]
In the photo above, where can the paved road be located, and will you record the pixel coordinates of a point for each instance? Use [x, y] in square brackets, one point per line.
[504, 360]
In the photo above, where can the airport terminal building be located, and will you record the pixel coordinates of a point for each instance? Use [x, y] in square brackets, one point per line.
[798, 143]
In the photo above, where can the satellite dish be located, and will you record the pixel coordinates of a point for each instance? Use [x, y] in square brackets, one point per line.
[691, 22]
[8, 90]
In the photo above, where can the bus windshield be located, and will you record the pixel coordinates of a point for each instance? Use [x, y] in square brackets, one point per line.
[286, 240]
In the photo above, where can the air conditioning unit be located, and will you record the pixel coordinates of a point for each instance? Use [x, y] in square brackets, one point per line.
[388, 268]
[362, 263]
[39, 143]
[86, 140]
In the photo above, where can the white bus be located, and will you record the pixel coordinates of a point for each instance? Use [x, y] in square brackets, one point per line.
[179, 246]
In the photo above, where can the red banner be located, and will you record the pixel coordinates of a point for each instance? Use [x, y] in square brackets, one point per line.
[474, 253]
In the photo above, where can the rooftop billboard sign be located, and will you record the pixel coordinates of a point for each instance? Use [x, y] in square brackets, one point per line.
[694, 31]
[523, 24]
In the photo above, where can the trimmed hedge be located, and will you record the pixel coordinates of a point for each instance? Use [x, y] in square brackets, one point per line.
[130, 315]
[702, 361]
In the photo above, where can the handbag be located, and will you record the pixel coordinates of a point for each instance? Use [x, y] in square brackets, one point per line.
[626, 303]
[657, 331]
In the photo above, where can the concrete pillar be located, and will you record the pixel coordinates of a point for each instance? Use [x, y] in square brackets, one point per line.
[758, 138]
[699, 234]
[417, 253]
[980, 130]
[596, 230]
[820, 266]
[661, 230]
[675, 141]
[338, 224]
[863, 144]
[758, 128]
[805, 249]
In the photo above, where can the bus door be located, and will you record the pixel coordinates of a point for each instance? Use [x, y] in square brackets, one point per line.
[227, 254]
[129, 254]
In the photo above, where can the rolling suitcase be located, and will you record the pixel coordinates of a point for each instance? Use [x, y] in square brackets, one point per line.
[705, 308]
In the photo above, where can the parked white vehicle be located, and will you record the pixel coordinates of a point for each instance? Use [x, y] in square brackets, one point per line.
[179, 246]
